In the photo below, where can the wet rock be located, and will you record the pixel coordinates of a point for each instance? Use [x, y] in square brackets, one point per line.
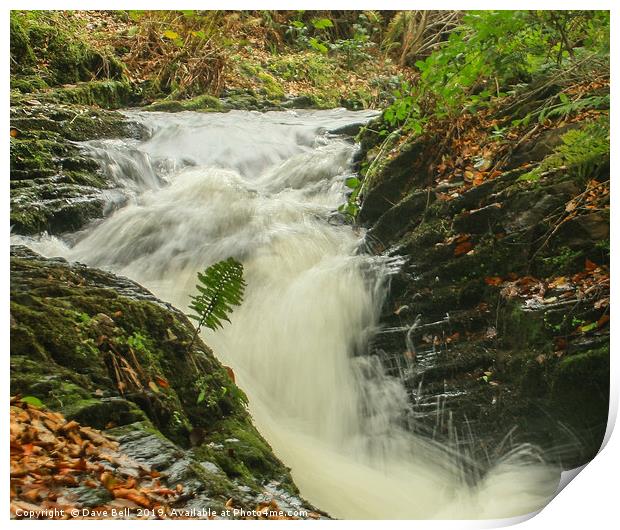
[476, 364]
[536, 150]
[91, 344]
[53, 187]
[479, 221]
[386, 186]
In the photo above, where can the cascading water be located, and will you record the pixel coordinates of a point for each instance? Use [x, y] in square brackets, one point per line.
[263, 188]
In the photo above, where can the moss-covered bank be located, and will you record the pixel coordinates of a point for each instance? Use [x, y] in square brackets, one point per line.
[504, 295]
[104, 351]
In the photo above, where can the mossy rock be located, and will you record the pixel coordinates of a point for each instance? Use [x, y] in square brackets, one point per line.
[55, 188]
[75, 330]
[53, 47]
[580, 391]
[205, 103]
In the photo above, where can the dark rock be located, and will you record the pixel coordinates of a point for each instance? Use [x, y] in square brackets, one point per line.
[537, 149]
[479, 221]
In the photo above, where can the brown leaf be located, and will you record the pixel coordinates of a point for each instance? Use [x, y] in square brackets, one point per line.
[602, 321]
[493, 280]
[132, 495]
[590, 265]
[463, 248]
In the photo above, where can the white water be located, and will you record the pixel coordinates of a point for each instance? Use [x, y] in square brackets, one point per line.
[262, 187]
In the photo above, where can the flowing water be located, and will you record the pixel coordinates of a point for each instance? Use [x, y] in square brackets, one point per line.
[264, 188]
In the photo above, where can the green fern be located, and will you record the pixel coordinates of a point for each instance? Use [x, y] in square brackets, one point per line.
[583, 152]
[221, 286]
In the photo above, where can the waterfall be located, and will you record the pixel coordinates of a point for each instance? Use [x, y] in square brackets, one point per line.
[264, 188]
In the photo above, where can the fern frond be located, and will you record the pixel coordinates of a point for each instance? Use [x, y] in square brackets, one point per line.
[221, 286]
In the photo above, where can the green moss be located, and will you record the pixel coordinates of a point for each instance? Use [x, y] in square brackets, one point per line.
[271, 87]
[236, 447]
[21, 51]
[68, 325]
[54, 47]
[108, 94]
[205, 102]
[28, 83]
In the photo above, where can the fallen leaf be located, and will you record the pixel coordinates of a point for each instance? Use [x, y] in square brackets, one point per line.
[463, 248]
[590, 265]
[162, 382]
[602, 321]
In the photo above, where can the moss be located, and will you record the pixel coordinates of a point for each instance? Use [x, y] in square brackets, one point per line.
[21, 51]
[580, 390]
[108, 94]
[55, 48]
[271, 87]
[29, 83]
[205, 102]
[236, 447]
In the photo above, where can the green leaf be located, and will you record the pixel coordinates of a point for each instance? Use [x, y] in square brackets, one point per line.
[201, 397]
[322, 23]
[34, 401]
[352, 182]
[588, 327]
[318, 45]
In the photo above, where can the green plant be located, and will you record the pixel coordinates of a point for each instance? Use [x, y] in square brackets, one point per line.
[136, 341]
[583, 152]
[220, 286]
[491, 51]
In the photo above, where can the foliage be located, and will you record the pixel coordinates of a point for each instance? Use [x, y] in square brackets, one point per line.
[48, 46]
[311, 34]
[221, 286]
[181, 51]
[490, 51]
[582, 152]
[357, 48]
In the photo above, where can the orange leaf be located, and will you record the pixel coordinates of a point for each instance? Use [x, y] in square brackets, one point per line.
[463, 248]
[132, 495]
[493, 280]
[162, 382]
[108, 480]
[590, 265]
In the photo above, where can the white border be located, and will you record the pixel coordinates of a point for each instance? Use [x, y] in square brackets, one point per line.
[590, 501]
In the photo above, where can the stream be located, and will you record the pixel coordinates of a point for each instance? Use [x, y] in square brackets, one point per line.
[264, 188]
